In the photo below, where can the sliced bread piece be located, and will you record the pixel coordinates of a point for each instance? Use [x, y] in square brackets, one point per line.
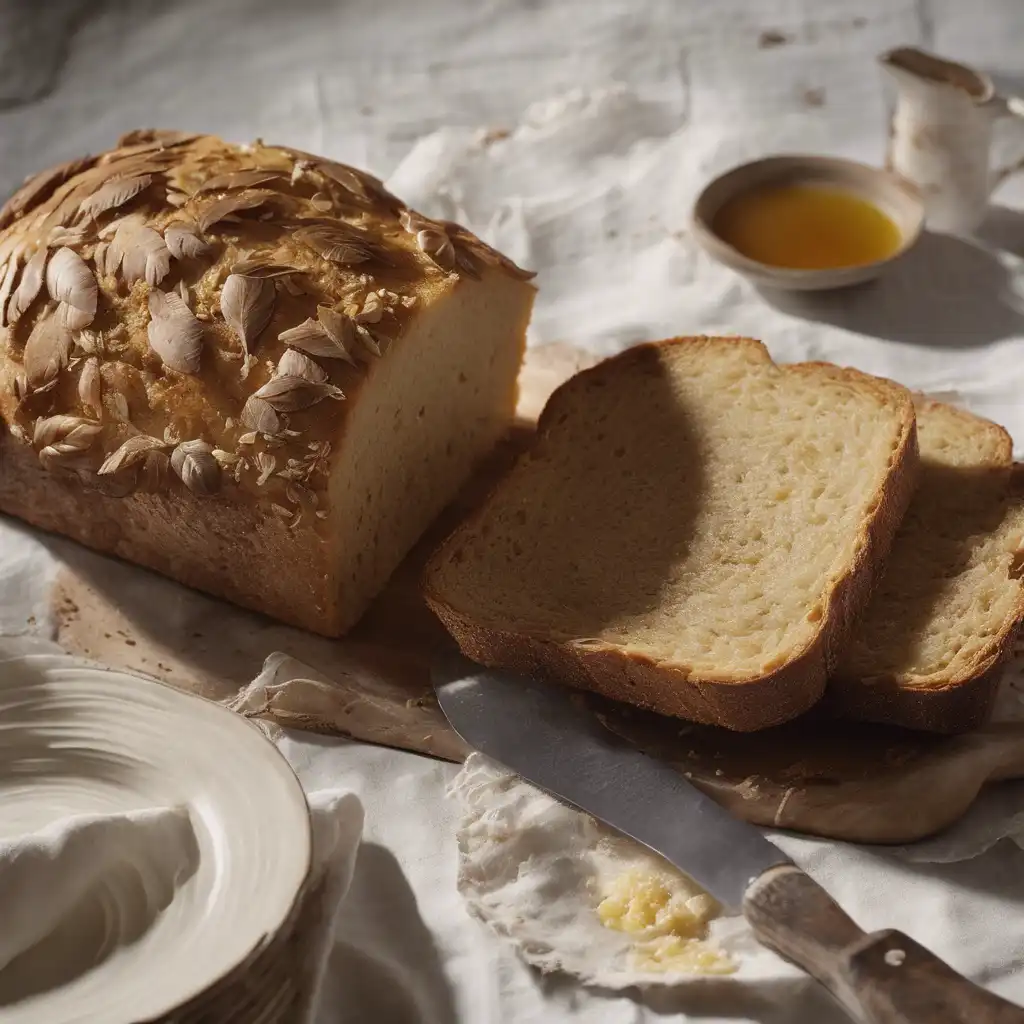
[928, 652]
[693, 531]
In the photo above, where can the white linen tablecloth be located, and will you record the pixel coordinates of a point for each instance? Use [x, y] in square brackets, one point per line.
[616, 112]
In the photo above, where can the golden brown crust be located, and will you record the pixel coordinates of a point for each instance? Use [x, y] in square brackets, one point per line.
[957, 707]
[184, 320]
[959, 704]
[178, 268]
[39, 187]
[745, 705]
[1002, 442]
[244, 553]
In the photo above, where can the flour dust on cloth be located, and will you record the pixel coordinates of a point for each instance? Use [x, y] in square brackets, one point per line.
[574, 896]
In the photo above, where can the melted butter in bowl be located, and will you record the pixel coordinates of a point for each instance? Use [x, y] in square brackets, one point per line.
[807, 227]
[807, 223]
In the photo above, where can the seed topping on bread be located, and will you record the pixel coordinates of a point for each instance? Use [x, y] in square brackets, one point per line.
[133, 283]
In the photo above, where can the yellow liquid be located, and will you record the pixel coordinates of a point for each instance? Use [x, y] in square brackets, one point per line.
[806, 227]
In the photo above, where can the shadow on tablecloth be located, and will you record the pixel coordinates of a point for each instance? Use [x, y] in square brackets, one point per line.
[947, 292]
[35, 40]
[1004, 229]
[385, 965]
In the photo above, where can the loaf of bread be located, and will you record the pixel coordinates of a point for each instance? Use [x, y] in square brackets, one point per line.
[943, 619]
[246, 367]
[694, 530]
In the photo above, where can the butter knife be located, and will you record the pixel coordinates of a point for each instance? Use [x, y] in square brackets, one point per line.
[547, 735]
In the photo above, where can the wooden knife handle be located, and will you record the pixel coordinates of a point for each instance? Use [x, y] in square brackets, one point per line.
[881, 978]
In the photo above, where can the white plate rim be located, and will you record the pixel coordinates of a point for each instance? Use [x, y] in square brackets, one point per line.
[285, 909]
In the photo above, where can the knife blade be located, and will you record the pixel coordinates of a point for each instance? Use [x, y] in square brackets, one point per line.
[568, 753]
[547, 735]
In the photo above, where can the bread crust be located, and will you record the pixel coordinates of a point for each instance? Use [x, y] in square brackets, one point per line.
[200, 342]
[745, 705]
[239, 551]
[963, 702]
[958, 706]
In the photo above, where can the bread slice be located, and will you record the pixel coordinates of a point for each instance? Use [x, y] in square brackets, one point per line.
[929, 650]
[693, 531]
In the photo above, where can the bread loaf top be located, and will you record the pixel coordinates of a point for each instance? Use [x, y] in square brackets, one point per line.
[181, 311]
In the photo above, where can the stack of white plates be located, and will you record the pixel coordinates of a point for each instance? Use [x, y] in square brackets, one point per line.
[209, 943]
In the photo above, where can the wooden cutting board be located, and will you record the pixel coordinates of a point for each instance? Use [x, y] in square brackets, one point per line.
[846, 781]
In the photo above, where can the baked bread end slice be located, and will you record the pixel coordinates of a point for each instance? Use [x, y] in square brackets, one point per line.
[694, 530]
[930, 650]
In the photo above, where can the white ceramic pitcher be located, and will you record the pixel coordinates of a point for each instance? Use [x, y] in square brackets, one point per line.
[941, 135]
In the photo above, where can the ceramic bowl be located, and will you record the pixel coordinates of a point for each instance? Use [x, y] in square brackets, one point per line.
[890, 193]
